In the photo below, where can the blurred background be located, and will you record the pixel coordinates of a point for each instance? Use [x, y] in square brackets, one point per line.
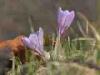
[16, 16]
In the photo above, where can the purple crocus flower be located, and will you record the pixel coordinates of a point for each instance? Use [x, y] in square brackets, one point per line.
[35, 41]
[64, 20]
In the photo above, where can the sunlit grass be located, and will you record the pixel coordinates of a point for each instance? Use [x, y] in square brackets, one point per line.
[73, 53]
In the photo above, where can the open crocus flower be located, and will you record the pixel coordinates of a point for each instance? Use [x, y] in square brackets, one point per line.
[35, 41]
[64, 20]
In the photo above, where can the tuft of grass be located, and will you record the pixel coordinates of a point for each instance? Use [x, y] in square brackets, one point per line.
[78, 56]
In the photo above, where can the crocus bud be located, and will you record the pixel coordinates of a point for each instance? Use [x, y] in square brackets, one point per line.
[35, 41]
[64, 20]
